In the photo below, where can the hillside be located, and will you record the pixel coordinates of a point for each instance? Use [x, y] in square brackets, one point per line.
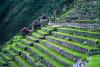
[16, 14]
[70, 39]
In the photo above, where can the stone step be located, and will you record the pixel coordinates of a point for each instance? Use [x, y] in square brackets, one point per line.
[80, 32]
[13, 64]
[88, 21]
[74, 45]
[12, 53]
[84, 40]
[42, 33]
[6, 57]
[21, 45]
[83, 28]
[37, 35]
[31, 58]
[35, 62]
[22, 62]
[49, 62]
[16, 51]
[54, 55]
[89, 27]
[27, 56]
[32, 39]
[23, 53]
[66, 52]
[27, 41]
[47, 29]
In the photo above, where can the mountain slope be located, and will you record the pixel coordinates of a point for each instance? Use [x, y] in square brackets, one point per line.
[15, 14]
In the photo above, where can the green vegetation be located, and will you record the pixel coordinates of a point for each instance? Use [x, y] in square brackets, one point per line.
[57, 55]
[14, 64]
[87, 21]
[80, 30]
[94, 61]
[66, 14]
[46, 57]
[66, 49]
[24, 62]
[74, 43]
[85, 38]
[53, 45]
[18, 46]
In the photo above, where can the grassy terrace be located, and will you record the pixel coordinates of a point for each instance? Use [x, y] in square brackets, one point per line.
[57, 55]
[42, 32]
[32, 59]
[12, 53]
[6, 57]
[86, 21]
[36, 35]
[23, 62]
[19, 49]
[79, 30]
[25, 40]
[81, 37]
[20, 59]
[21, 44]
[66, 49]
[18, 46]
[25, 52]
[49, 28]
[46, 57]
[14, 64]
[74, 43]
[30, 37]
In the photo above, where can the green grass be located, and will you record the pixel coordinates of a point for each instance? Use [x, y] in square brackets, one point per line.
[42, 32]
[27, 40]
[66, 49]
[46, 57]
[79, 30]
[94, 61]
[48, 28]
[12, 53]
[57, 55]
[19, 49]
[25, 52]
[36, 34]
[86, 38]
[21, 44]
[6, 57]
[2, 61]
[74, 43]
[86, 21]
[24, 62]
[31, 37]
[33, 59]
[14, 64]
